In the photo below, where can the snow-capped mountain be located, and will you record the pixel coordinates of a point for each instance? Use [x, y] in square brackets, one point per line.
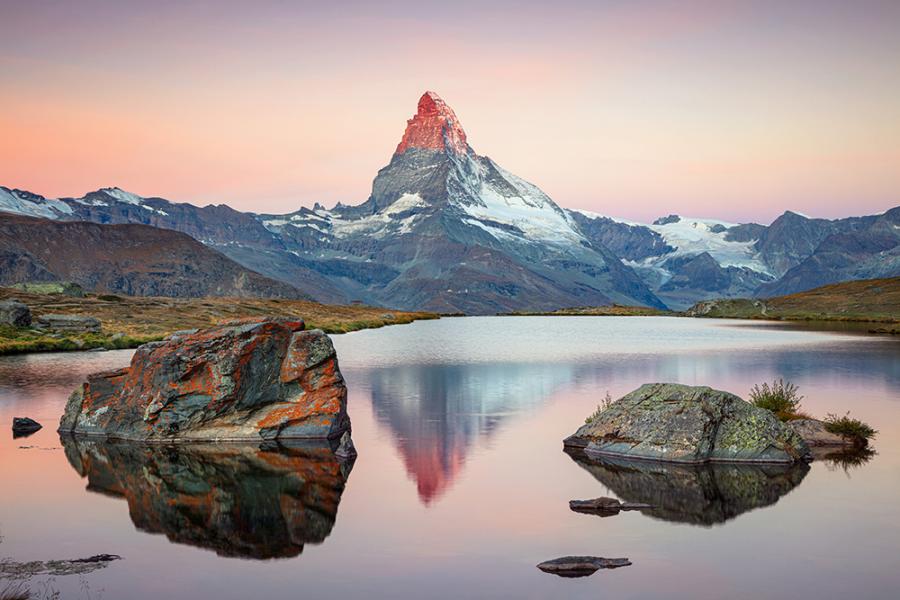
[684, 260]
[446, 229]
[449, 230]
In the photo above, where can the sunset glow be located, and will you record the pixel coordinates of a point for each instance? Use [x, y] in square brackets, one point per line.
[734, 110]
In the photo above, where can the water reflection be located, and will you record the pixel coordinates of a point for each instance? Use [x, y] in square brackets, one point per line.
[698, 494]
[436, 413]
[244, 501]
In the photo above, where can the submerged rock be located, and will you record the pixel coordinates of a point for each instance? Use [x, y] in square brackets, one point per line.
[14, 313]
[581, 566]
[814, 433]
[680, 423]
[244, 380]
[22, 426]
[604, 507]
[698, 494]
[234, 499]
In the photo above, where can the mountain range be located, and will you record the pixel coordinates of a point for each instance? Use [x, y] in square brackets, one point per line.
[446, 229]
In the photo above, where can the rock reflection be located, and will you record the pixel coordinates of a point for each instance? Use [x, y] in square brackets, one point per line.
[237, 500]
[697, 494]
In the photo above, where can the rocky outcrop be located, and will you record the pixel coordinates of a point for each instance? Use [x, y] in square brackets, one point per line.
[14, 313]
[234, 499]
[249, 379]
[68, 323]
[815, 434]
[581, 566]
[679, 423]
[434, 127]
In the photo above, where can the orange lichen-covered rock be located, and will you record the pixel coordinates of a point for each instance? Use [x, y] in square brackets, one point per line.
[247, 379]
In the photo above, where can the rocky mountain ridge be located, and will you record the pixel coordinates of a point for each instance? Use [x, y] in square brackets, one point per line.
[448, 230]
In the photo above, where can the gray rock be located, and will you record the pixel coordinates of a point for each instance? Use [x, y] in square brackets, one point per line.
[680, 423]
[604, 507]
[581, 566]
[23, 426]
[814, 433]
[14, 313]
[68, 323]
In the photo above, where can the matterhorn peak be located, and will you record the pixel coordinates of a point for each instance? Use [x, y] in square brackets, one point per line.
[434, 127]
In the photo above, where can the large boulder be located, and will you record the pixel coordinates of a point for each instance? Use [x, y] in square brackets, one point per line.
[680, 423]
[244, 380]
[14, 313]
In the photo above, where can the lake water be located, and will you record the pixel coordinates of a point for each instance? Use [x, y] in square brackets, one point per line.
[461, 486]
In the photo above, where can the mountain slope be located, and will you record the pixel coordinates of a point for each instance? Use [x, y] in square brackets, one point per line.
[453, 231]
[862, 300]
[127, 259]
[685, 260]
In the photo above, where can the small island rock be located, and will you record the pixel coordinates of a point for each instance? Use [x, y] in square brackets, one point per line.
[680, 423]
[581, 566]
[22, 426]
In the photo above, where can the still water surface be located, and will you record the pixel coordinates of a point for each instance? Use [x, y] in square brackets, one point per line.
[461, 485]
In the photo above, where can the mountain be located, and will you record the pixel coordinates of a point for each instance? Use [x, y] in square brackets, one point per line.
[444, 229]
[128, 259]
[448, 230]
[685, 260]
[866, 248]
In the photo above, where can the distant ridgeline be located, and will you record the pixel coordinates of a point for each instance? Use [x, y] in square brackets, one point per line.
[445, 230]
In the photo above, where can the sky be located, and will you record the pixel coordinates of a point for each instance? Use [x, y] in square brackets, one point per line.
[736, 110]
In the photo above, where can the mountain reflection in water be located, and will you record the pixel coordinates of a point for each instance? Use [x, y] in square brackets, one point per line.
[237, 500]
[706, 494]
[438, 412]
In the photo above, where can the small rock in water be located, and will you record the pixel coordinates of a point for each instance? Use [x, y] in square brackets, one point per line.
[97, 558]
[604, 507]
[581, 566]
[23, 426]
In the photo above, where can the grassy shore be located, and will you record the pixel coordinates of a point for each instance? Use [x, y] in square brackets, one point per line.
[614, 310]
[869, 301]
[129, 321]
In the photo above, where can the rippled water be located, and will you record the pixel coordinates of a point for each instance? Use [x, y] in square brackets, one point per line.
[461, 485]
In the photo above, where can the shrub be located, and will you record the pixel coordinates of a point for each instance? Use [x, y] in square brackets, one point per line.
[850, 428]
[782, 398]
[604, 404]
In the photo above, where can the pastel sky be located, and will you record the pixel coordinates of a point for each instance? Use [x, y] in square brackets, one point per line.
[729, 109]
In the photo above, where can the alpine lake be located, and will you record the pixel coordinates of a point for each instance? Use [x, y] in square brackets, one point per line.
[461, 485]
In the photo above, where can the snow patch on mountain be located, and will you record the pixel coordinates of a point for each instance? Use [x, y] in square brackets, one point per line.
[123, 196]
[691, 236]
[528, 210]
[13, 201]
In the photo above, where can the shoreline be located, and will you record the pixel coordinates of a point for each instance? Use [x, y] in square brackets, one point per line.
[129, 321]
